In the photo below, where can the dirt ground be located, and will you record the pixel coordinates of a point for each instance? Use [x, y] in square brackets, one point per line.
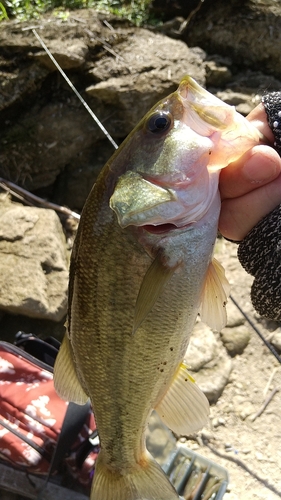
[249, 449]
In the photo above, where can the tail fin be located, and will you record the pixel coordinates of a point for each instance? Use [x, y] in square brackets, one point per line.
[145, 482]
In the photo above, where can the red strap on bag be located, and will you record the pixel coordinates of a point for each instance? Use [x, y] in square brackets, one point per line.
[32, 417]
[30, 407]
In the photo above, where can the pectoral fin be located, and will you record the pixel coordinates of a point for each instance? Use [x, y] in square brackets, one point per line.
[215, 294]
[184, 408]
[152, 285]
[66, 381]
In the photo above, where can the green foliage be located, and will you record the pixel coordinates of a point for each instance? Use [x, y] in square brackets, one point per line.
[28, 9]
[136, 11]
[3, 12]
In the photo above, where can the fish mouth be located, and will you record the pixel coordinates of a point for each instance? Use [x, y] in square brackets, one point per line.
[167, 227]
[159, 229]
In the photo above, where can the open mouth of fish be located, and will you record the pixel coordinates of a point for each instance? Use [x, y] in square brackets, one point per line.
[161, 228]
[165, 228]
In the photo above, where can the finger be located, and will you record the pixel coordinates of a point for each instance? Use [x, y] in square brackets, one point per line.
[257, 167]
[258, 117]
[239, 215]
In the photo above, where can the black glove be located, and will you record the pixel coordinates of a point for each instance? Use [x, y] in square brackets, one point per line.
[260, 252]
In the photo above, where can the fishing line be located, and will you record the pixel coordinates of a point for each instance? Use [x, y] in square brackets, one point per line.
[98, 122]
[268, 345]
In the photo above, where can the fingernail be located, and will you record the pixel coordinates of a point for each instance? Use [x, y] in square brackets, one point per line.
[260, 169]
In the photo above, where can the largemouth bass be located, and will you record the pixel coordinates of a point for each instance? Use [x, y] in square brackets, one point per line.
[141, 269]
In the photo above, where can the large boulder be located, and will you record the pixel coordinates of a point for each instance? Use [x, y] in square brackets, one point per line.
[33, 262]
[247, 31]
[150, 67]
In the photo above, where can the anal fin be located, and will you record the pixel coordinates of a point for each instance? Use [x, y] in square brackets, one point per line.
[184, 408]
[216, 291]
[66, 382]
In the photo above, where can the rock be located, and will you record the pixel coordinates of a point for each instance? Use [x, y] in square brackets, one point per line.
[244, 103]
[260, 456]
[80, 173]
[157, 444]
[141, 76]
[67, 56]
[245, 409]
[33, 262]
[160, 441]
[246, 89]
[217, 421]
[38, 146]
[216, 74]
[214, 376]
[228, 446]
[202, 347]
[276, 340]
[207, 435]
[16, 88]
[208, 362]
[234, 316]
[235, 339]
[248, 32]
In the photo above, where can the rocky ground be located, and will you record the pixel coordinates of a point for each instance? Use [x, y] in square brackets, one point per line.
[50, 146]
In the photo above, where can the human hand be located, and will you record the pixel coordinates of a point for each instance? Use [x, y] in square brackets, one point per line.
[251, 187]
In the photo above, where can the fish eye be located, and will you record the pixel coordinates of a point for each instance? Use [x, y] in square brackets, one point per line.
[159, 122]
